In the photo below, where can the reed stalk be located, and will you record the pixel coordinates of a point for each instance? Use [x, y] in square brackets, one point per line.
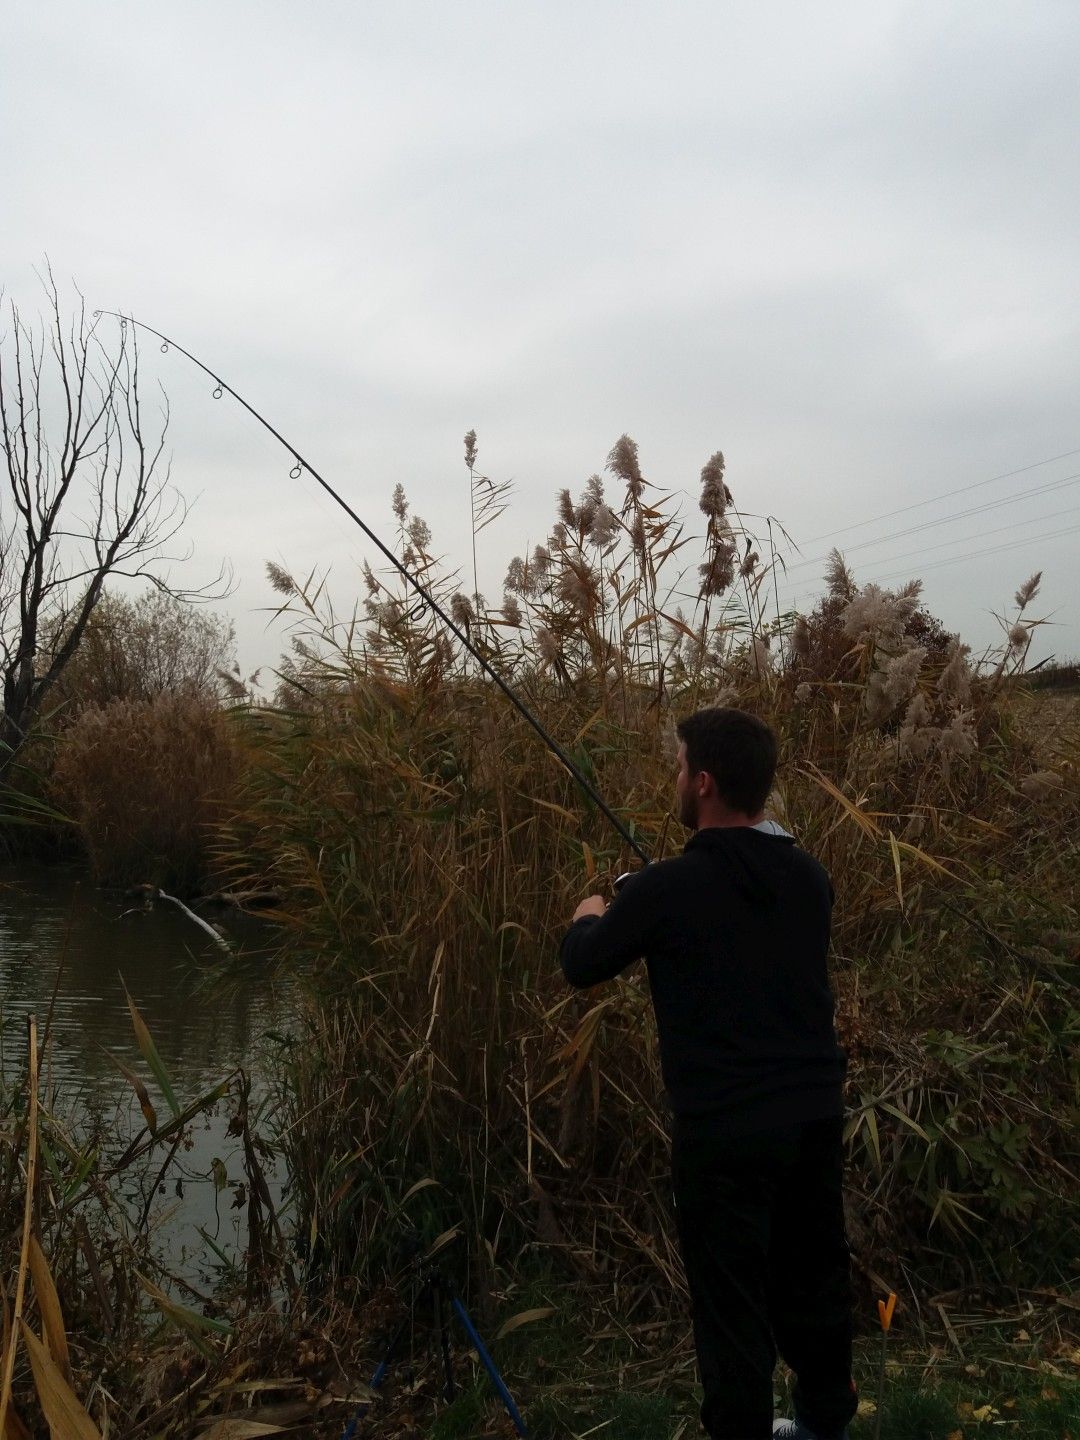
[28, 1218]
[429, 853]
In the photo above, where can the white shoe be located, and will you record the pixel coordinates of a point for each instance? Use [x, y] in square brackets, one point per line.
[795, 1430]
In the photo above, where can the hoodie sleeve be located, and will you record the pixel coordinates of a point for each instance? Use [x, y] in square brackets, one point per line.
[598, 947]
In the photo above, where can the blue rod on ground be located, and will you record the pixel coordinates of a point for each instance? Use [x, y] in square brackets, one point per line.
[489, 1365]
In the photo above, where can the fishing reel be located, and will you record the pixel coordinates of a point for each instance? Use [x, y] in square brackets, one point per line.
[620, 880]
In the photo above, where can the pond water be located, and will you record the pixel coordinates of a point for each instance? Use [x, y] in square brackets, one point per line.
[207, 1014]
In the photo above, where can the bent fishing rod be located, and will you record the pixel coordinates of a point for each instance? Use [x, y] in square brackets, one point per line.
[221, 387]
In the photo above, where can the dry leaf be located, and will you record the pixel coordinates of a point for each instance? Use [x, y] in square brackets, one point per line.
[194, 1325]
[441, 1241]
[145, 1042]
[145, 1103]
[415, 1189]
[14, 1429]
[63, 1410]
[256, 1387]
[238, 1430]
[52, 1317]
[525, 1317]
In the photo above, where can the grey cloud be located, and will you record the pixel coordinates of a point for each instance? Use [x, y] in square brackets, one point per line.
[836, 241]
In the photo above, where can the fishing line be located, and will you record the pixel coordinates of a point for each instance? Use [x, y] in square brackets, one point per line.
[301, 465]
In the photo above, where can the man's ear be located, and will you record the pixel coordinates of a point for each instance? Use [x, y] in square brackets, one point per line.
[706, 785]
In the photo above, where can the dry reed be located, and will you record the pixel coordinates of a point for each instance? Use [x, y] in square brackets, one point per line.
[430, 854]
[145, 780]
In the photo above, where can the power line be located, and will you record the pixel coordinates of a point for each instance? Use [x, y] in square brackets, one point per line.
[991, 550]
[1051, 485]
[966, 539]
[958, 559]
[947, 495]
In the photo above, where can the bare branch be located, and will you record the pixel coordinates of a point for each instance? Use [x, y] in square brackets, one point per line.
[90, 494]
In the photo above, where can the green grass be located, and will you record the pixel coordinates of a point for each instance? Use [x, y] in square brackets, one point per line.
[940, 1411]
[563, 1398]
[626, 1415]
[581, 1372]
[1037, 1409]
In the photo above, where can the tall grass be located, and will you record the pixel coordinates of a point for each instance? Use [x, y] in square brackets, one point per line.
[95, 1333]
[431, 852]
[442, 1081]
[146, 781]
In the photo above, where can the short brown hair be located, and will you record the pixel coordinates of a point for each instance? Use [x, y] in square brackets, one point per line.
[739, 752]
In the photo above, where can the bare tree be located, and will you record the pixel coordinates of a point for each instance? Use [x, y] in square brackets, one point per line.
[87, 497]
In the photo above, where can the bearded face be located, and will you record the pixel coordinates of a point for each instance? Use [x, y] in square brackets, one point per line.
[688, 809]
[686, 793]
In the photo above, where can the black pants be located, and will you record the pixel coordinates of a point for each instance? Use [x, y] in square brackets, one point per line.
[761, 1226]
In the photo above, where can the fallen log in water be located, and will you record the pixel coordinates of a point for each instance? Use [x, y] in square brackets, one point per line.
[214, 934]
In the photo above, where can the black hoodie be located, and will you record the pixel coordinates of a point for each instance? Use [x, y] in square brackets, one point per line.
[735, 932]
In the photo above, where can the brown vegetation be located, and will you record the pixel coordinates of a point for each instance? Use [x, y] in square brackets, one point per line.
[431, 852]
[428, 853]
[146, 781]
[139, 649]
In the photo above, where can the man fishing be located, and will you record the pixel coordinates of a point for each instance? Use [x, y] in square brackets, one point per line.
[735, 933]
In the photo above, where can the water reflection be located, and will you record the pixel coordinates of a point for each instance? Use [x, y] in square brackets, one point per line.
[59, 932]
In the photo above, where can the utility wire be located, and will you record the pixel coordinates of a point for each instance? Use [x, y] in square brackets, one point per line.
[946, 495]
[957, 559]
[967, 539]
[991, 550]
[1051, 485]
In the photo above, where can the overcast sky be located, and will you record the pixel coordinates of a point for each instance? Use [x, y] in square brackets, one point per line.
[837, 241]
